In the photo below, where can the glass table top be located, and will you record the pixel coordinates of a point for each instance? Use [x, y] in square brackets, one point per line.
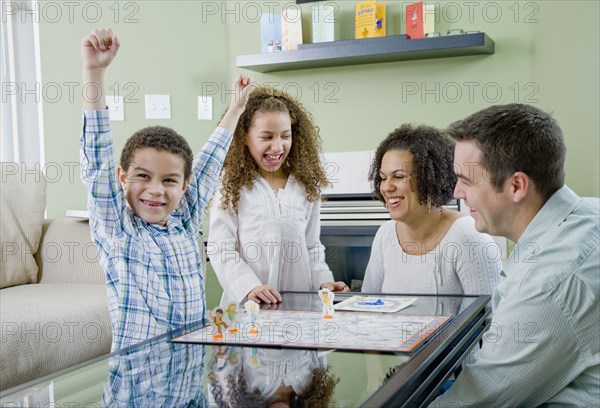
[159, 372]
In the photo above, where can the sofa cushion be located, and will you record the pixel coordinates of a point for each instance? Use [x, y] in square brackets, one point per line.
[48, 327]
[67, 253]
[22, 205]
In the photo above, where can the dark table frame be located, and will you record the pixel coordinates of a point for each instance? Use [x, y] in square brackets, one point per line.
[418, 382]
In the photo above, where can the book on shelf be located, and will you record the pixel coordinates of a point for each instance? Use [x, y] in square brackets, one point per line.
[325, 26]
[291, 28]
[420, 20]
[369, 19]
[270, 31]
[429, 18]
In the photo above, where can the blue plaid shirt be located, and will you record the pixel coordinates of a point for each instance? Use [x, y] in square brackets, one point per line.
[154, 276]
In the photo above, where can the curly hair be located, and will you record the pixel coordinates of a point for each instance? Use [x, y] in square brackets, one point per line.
[432, 167]
[162, 139]
[317, 394]
[303, 161]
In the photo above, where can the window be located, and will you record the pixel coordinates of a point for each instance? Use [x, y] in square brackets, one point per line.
[21, 114]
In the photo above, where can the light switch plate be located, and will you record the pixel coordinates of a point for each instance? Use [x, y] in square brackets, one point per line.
[116, 107]
[205, 111]
[158, 106]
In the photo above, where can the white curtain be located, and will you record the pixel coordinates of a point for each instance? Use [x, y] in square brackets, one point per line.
[21, 114]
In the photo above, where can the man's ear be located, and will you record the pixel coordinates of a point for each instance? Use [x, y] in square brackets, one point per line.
[520, 186]
[186, 183]
[122, 175]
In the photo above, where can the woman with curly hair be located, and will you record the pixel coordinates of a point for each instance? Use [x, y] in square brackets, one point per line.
[425, 248]
[264, 222]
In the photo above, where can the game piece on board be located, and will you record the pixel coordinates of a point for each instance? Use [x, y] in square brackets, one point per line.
[327, 297]
[210, 317]
[233, 316]
[252, 309]
[218, 322]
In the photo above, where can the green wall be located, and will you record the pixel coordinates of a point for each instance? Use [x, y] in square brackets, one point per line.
[187, 48]
[166, 51]
[547, 54]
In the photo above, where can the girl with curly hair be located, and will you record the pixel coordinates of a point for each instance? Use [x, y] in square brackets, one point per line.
[283, 378]
[264, 222]
[425, 248]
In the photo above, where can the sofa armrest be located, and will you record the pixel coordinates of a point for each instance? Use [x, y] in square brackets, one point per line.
[67, 253]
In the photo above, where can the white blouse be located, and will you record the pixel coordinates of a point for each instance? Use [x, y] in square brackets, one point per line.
[464, 262]
[273, 239]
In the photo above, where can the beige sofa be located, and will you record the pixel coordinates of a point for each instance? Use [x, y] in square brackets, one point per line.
[53, 305]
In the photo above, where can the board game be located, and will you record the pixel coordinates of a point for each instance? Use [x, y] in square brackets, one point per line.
[309, 329]
[375, 304]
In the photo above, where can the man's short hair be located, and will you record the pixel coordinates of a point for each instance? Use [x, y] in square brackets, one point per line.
[516, 137]
[162, 139]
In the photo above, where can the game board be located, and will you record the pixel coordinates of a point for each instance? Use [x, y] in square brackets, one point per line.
[308, 329]
[379, 304]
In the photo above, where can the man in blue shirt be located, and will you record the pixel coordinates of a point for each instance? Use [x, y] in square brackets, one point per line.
[543, 346]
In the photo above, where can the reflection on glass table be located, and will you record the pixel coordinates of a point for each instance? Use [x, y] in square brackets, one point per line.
[160, 373]
[243, 376]
[163, 375]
